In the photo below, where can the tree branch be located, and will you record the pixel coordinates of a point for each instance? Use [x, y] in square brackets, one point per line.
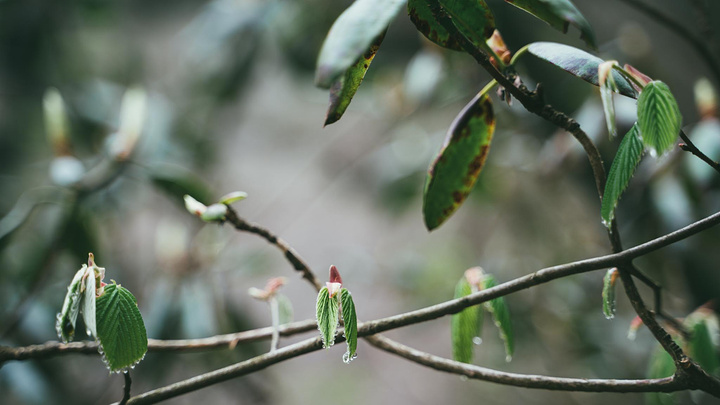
[126, 388]
[689, 146]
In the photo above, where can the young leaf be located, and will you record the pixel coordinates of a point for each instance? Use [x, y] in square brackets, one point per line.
[608, 293]
[501, 317]
[120, 327]
[659, 118]
[350, 320]
[351, 36]
[626, 160]
[285, 309]
[559, 14]
[425, 22]
[578, 63]
[232, 197]
[661, 365]
[703, 346]
[472, 18]
[465, 325]
[88, 305]
[607, 87]
[327, 315]
[343, 90]
[67, 317]
[455, 170]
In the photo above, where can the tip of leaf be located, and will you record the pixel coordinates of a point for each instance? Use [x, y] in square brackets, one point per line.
[324, 77]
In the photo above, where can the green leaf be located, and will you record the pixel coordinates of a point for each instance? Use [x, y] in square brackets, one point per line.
[501, 317]
[659, 118]
[455, 170]
[343, 90]
[232, 197]
[608, 293]
[177, 181]
[578, 63]
[120, 327]
[465, 325]
[285, 309]
[626, 160]
[351, 36]
[607, 88]
[472, 18]
[350, 320]
[88, 301]
[661, 366]
[559, 14]
[214, 213]
[704, 345]
[327, 315]
[66, 319]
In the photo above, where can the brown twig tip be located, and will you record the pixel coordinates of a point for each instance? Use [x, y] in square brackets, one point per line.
[335, 275]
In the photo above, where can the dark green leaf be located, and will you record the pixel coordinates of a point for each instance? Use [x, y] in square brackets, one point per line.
[67, 317]
[350, 320]
[559, 14]
[343, 90]
[423, 18]
[465, 325]
[472, 18]
[351, 36]
[455, 170]
[121, 331]
[327, 315]
[659, 118]
[661, 366]
[626, 160]
[501, 317]
[578, 63]
[703, 344]
[608, 293]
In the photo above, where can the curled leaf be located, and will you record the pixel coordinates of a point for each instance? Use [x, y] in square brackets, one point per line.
[235, 196]
[608, 293]
[350, 321]
[465, 325]
[501, 317]
[327, 316]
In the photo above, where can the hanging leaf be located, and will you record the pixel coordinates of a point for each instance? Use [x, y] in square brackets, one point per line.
[704, 344]
[327, 315]
[659, 118]
[608, 293]
[501, 317]
[285, 309]
[425, 22]
[67, 317]
[350, 320]
[661, 366]
[455, 170]
[578, 63]
[607, 88]
[351, 36]
[472, 18]
[559, 14]
[465, 325]
[120, 327]
[626, 160]
[88, 304]
[343, 90]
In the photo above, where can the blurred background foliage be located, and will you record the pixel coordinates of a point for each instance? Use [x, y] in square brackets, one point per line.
[231, 106]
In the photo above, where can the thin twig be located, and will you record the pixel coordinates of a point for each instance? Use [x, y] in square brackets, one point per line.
[689, 146]
[126, 388]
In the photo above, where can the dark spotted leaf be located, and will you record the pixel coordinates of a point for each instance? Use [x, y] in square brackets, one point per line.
[350, 321]
[472, 18]
[501, 317]
[578, 63]
[120, 327]
[608, 293]
[327, 315]
[455, 170]
[465, 325]
[343, 90]
[351, 36]
[425, 22]
[659, 118]
[626, 160]
[559, 14]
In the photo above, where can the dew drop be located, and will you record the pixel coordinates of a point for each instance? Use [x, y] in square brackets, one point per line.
[88, 332]
[477, 340]
[347, 358]
[610, 316]
[508, 358]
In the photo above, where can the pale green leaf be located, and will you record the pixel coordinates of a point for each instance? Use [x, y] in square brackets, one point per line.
[285, 309]
[350, 320]
[214, 213]
[465, 325]
[88, 304]
[501, 317]
[351, 36]
[626, 160]
[120, 327]
[559, 14]
[608, 293]
[659, 118]
[661, 366]
[607, 87]
[66, 319]
[704, 343]
[327, 315]
[232, 197]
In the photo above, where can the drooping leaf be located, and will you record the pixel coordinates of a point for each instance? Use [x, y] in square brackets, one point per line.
[501, 317]
[661, 366]
[327, 315]
[343, 90]
[608, 293]
[350, 320]
[88, 304]
[578, 63]
[351, 36]
[120, 328]
[66, 318]
[704, 344]
[285, 309]
[559, 14]
[472, 18]
[455, 170]
[626, 160]
[465, 325]
[607, 88]
[659, 118]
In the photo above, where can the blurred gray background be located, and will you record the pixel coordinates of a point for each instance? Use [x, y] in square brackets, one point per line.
[232, 106]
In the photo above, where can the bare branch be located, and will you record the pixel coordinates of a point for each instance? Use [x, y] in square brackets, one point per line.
[689, 146]
[126, 388]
